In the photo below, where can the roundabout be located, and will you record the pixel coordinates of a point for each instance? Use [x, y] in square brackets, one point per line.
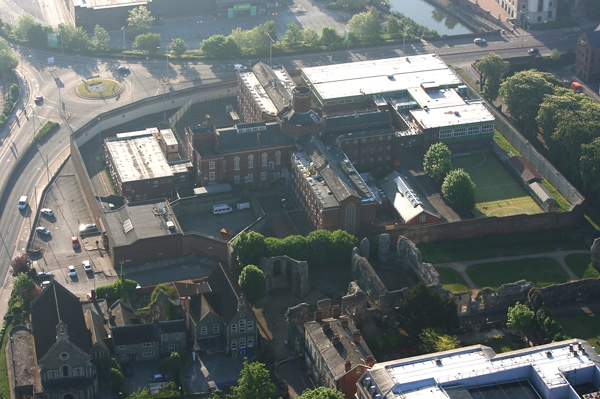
[98, 88]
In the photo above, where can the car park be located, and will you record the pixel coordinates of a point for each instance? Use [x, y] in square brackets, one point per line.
[479, 40]
[533, 51]
[124, 69]
[87, 266]
[42, 230]
[75, 242]
[39, 99]
[159, 378]
[47, 211]
[44, 276]
[88, 228]
[72, 271]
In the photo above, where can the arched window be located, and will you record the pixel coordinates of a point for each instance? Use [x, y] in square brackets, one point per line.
[263, 158]
[250, 161]
[65, 370]
[236, 163]
[278, 158]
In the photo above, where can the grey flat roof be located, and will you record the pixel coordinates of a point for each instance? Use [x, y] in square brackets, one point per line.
[457, 114]
[138, 158]
[109, 3]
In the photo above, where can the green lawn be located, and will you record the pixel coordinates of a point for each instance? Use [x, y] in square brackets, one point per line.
[4, 387]
[541, 271]
[452, 280]
[581, 264]
[502, 346]
[581, 325]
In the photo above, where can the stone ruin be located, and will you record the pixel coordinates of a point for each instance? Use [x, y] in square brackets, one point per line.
[596, 254]
[287, 273]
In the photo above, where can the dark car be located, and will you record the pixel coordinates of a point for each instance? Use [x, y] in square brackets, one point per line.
[44, 276]
[39, 99]
[127, 370]
[124, 70]
[532, 51]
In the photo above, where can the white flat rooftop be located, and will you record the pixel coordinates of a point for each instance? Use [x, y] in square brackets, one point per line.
[138, 158]
[109, 3]
[459, 114]
[379, 76]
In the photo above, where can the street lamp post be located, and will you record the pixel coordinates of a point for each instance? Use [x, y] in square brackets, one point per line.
[404, 40]
[270, 50]
[123, 29]
[164, 105]
[167, 70]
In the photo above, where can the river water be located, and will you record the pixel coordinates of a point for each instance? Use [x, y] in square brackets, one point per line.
[427, 15]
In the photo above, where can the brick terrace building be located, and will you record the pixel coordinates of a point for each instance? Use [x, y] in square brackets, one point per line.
[587, 57]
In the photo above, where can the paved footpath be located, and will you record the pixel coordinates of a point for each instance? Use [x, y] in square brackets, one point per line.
[558, 256]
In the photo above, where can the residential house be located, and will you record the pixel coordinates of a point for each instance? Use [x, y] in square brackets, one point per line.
[220, 319]
[62, 345]
[587, 56]
[336, 354]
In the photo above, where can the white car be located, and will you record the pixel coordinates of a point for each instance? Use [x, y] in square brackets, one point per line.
[87, 266]
[47, 211]
[479, 40]
[42, 230]
[88, 228]
[72, 271]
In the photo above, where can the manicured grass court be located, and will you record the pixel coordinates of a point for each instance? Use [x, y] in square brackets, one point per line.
[581, 264]
[581, 325]
[541, 271]
[452, 280]
[497, 192]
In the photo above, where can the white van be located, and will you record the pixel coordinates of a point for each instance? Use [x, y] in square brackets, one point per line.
[219, 209]
[240, 67]
[23, 202]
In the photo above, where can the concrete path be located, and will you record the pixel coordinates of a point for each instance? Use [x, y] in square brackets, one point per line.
[558, 256]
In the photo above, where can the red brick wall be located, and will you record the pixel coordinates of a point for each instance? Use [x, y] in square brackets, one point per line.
[347, 383]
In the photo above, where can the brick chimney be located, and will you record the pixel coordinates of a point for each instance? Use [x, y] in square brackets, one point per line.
[301, 100]
[326, 326]
[335, 339]
[318, 315]
[370, 361]
[335, 311]
[258, 140]
[218, 142]
[348, 365]
[356, 336]
[345, 322]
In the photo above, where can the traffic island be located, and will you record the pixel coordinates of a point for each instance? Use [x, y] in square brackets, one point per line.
[98, 88]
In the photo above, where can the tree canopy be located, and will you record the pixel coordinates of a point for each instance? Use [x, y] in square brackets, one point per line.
[177, 47]
[459, 189]
[519, 316]
[249, 248]
[293, 36]
[148, 42]
[434, 340]
[140, 21]
[20, 264]
[8, 60]
[253, 282]
[321, 393]
[254, 382]
[365, 27]
[590, 166]
[491, 67]
[73, 38]
[423, 307]
[437, 161]
[219, 46]
[101, 39]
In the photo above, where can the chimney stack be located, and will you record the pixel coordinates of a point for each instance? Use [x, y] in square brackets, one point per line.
[301, 99]
[335, 340]
[370, 361]
[258, 140]
[326, 326]
[335, 311]
[348, 365]
[318, 315]
[356, 336]
[345, 322]
[218, 142]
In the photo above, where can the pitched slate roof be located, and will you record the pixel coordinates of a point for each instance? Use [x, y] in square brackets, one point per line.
[352, 122]
[171, 326]
[593, 38]
[55, 304]
[135, 334]
[95, 324]
[187, 288]
[232, 140]
[336, 355]
[525, 169]
[122, 314]
[279, 92]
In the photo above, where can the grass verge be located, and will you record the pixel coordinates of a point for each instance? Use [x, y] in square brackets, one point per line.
[581, 325]
[561, 202]
[4, 387]
[452, 280]
[541, 271]
[504, 144]
[581, 265]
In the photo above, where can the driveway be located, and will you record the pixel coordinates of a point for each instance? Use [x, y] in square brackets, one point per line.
[218, 370]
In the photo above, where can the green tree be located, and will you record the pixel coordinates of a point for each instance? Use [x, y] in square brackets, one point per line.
[293, 36]
[24, 291]
[173, 364]
[354, 4]
[342, 245]
[219, 46]
[365, 27]
[140, 393]
[100, 40]
[330, 38]
[590, 167]
[321, 393]
[311, 37]
[28, 30]
[423, 307]
[14, 92]
[434, 340]
[116, 379]
[140, 21]
[519, 316]
[523, 94]
[255, 40]
[459, 189]
[149, 42]
[437, 161]
[253, 282]
[491, 67]
[254, 382]
[20, 264]
[8, 61]
[393, 27]
[177, 47]
[568, 138]
[73, 38]
[249, 248]
[556, 107]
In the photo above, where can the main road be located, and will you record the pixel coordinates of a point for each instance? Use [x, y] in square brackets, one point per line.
[55, 76]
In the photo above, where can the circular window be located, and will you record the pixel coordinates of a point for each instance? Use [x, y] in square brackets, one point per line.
[64, 356]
